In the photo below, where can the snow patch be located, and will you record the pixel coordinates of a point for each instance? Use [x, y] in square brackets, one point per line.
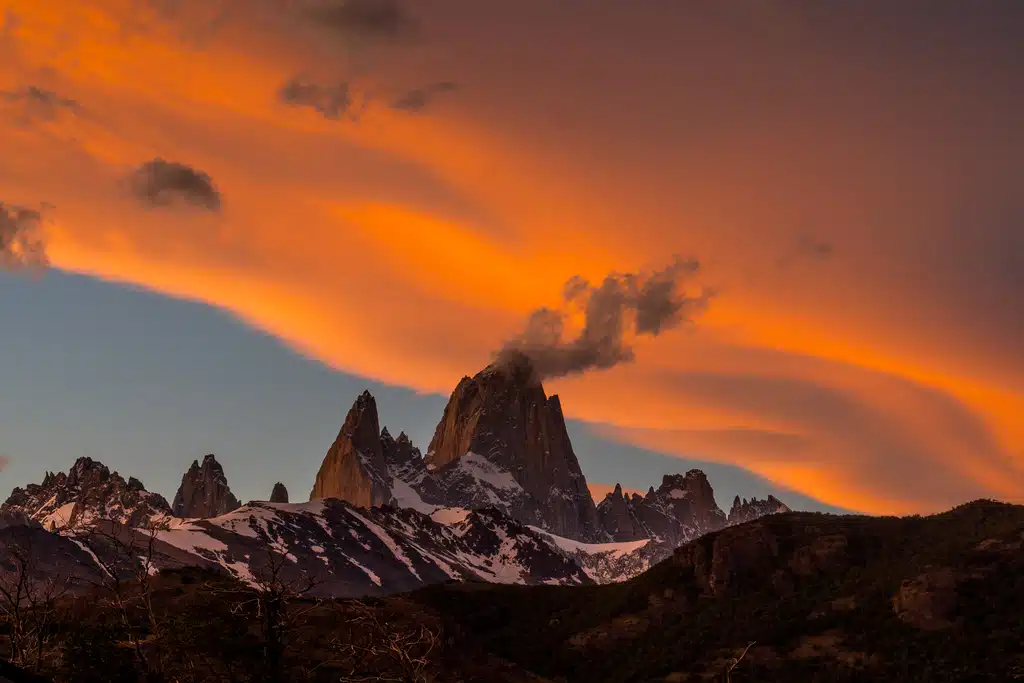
[450, 515]
[406, 497]
[59, 518]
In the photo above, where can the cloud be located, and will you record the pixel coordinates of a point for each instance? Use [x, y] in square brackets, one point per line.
[160, 183]
[4, 461]
[478, 217]
[332, 102]
[33, 103]
[418, 99]
[371, 19]
[21, 244]
[646, 304]
[807, 247]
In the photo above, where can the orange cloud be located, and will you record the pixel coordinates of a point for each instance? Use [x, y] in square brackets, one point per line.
[407, 248]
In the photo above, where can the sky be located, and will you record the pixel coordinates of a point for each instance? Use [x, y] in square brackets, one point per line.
[224, 219]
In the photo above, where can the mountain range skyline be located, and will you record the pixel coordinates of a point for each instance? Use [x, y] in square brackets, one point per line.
[779, 241]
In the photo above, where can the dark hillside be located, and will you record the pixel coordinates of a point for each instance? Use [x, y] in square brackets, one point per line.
[836, 598]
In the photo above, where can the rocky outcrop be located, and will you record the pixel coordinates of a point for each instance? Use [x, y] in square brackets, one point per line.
[744, 510]
[354, 469]
[502, 441]
[279, 494]
[204, 491]
[88, 492]
[927, 601]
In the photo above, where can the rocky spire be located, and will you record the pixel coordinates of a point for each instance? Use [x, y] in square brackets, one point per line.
[279, 494]
[204, 491]
[354, 468]
[516, 435]
[616, 517]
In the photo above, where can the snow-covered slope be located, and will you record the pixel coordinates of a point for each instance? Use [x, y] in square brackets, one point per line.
[354, 551]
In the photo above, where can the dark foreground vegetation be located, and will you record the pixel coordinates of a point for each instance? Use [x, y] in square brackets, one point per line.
[794, 597]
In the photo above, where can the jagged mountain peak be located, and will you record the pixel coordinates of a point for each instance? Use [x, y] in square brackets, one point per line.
[744, 510]
[354, 468]
[87, 492]
[204, 491]
[502, 441]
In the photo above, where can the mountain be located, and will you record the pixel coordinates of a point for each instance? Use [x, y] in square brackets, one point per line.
[748, 510]
[788, 597]
[348, 551]
[279, 494]
[204, 491]
[88, 492]
[500, 497]
[354, 469]
[502, 441]
[680, 509]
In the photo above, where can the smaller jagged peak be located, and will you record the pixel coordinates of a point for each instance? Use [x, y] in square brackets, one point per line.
[86, 465]
[279, 494]
[204, 491]
[613, 497]
[744, 510]
[88, 492]
[385, 435]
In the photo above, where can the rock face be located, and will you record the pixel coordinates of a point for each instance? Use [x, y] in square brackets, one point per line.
[681, 509]
[744, 510]
[502, 441]
[354, 469]
[279, 494]
[88, 492]
[204, 491]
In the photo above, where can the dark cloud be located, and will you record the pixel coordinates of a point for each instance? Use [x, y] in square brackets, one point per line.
[332, 102]
[32, 103]
[21, 244]
[807, 247]
[418, 99]
[621, 306]
[371, 19]
[160, 183]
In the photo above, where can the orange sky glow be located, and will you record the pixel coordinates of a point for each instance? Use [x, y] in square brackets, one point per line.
[406, 247]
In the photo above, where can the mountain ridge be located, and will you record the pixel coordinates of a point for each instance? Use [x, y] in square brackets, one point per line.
[499, 496]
